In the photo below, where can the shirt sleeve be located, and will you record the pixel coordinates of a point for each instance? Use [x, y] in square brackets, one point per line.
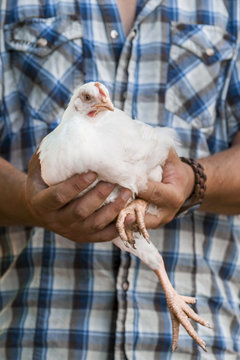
[233, 99]
[1, 98]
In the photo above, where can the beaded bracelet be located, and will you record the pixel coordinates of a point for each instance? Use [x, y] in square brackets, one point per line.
[197, 195]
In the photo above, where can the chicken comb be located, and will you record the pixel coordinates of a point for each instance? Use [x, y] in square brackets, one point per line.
[98, 85]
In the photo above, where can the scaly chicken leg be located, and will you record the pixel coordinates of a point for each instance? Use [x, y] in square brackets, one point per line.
[178, 306]
[179, 310]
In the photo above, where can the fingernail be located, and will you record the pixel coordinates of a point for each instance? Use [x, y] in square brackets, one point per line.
[90, 177]
[125, 194]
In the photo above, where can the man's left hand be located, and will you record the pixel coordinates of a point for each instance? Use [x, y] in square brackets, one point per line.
[170, 194]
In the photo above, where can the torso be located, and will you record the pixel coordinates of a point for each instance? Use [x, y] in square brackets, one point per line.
[127, 10]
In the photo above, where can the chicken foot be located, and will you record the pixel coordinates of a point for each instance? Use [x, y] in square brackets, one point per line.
[138, 209]
[179, 309]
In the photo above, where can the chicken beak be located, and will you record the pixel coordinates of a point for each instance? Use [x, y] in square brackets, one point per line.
[105, 104]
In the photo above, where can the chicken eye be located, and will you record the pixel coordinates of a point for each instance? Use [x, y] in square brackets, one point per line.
[88, 97]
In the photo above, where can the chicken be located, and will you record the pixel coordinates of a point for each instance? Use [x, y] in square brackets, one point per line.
[93, 135]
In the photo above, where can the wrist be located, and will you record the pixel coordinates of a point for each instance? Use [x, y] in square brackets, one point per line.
[198, 188]
[13, 207]
[24, 216]
[30, 218]
[190, 180]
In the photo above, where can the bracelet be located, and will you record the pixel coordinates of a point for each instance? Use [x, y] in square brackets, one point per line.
[197, 195]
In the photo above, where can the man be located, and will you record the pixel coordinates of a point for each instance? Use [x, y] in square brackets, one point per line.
[166, 63]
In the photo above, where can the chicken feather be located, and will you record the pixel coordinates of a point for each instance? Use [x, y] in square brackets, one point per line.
[95, 136]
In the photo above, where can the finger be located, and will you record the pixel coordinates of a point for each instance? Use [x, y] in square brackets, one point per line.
[83, 207]
[107, 214]
[57, 196]
[152, 221]
[129, 221]
[157, 193]
[107, 234]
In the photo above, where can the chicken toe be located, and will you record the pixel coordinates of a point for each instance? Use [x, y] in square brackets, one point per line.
[138, 209]
[180, 311]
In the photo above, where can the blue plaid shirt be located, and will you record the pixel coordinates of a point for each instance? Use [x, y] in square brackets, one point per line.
[179, 66]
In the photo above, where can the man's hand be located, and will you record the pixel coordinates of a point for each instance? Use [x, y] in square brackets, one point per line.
[221, 196]
[80, 219]
[169, 195]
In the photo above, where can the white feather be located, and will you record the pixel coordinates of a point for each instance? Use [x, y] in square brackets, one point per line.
[119, 149]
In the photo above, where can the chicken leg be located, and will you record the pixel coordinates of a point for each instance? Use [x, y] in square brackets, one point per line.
[179, 309]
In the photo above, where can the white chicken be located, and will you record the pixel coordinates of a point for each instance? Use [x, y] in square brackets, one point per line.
[95, 136]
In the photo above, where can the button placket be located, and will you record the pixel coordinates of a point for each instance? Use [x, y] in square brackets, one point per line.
[133, 34]
[209, 52]
[125, 285]
[114, 34]
[42, 42]
[122, 286]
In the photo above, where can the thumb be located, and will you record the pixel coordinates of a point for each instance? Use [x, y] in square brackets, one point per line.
[162, 195]
[156, 193]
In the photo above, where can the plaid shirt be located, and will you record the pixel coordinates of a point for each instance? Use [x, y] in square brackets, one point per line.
[178, 67]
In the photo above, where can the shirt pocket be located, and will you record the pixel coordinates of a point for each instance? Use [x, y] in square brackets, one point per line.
[198, 63]
[45, 56]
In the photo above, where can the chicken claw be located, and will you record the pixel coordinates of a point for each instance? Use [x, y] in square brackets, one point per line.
[137, 208]
[180, 311]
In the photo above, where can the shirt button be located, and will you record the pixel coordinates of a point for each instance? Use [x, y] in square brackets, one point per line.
[42, 42]
[125, 285]
[114, 34]
[133, 33]
[209, 52]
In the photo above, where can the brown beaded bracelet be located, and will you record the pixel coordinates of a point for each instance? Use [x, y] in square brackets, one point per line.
[198, 193]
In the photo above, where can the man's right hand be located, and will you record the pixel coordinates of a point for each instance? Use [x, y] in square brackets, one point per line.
[81, 219]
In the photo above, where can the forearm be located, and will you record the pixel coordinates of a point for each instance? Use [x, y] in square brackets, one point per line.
[13, 207]
[223, 181]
